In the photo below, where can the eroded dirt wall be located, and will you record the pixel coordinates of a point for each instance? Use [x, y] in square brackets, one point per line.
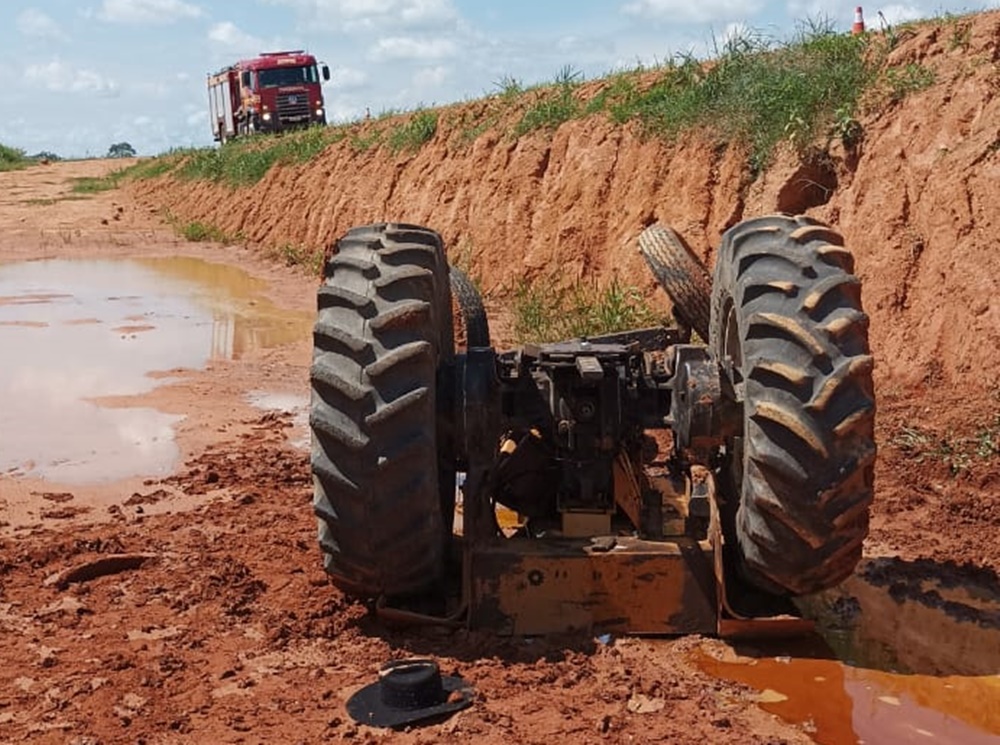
[918, 202]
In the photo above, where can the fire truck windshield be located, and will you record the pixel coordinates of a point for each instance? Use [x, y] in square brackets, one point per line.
[282, 76]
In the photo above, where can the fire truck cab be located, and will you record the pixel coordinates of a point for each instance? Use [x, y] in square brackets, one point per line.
[273, 92]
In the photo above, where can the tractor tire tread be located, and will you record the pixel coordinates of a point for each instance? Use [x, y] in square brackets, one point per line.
[680, 273]
[808, 440]
[378, 341]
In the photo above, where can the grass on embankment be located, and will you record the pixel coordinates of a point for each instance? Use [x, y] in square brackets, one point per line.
[756, 93]
[541, 315]
[12, 159]
[143, 169]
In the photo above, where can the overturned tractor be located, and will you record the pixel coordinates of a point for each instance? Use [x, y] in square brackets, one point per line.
[635, 482]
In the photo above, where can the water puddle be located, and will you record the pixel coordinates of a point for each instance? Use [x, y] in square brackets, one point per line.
[75, 332]
[286, 403]
[907, 652]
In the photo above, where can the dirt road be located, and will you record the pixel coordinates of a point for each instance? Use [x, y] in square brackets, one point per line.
[226, 630]
[184, 601]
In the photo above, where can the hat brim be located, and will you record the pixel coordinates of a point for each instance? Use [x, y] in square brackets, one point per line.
[366, 706]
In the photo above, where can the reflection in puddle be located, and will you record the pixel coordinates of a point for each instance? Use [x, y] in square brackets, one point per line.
[910, 652]
[76, 331]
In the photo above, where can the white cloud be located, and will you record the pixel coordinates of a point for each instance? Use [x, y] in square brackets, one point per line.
[147, 11]
[229, 35]
[33, 22]
[430, 77]
[894, 14]
[802, 9]
[347, 78]
[151, 88]
[62, 78]
[407, 48]
[354, 15]
[693, 11]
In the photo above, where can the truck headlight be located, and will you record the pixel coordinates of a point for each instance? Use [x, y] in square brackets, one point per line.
[319, 111]
[267, 116]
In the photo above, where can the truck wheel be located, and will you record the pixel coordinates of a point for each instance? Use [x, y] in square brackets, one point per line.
[786, 310]
[383, 333]
[681, 275]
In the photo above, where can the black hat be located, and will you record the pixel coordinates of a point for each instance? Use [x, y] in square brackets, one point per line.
[408, 691]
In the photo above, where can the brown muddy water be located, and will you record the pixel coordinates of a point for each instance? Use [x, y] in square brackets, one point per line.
[75, 332]
[906, 652]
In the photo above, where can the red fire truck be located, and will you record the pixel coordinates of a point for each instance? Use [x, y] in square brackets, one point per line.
[273, 92]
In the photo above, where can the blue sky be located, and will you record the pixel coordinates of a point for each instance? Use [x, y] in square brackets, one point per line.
[79, 76]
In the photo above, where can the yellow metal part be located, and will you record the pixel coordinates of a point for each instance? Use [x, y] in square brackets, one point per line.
[508, 445]
[675, 496]
[628, 495]
[623, 584]
[606, 583]
[585, 524]
[731, 623]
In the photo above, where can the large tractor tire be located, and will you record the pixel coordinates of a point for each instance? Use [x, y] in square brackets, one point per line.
[681, 275]
[382, 336]
[786, 310]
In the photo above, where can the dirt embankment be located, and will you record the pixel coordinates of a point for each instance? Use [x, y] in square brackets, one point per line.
[916, 202]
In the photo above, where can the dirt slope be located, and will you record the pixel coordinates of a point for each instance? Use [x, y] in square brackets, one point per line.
[916, 202]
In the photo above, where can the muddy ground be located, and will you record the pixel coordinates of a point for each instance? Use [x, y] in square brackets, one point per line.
[190, 605]
[223, 628]
[217, 624]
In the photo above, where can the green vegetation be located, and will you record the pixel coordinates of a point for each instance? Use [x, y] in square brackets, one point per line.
[554, 106]
[245, 161]
[121, 150]
[199, 231]
[960, 32]
[146, 168]
[11, 158]
[95, 184]
[362, 141]
[960, 453]
[757, 93]
[510, 88]
[414, 132]
[543, 315]
[288, 254]
[153, 167]
[291, 255]
[907, 79]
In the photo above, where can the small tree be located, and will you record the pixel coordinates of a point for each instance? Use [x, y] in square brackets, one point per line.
[121, 150]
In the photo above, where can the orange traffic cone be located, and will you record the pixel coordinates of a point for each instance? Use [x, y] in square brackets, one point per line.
[859, 22]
